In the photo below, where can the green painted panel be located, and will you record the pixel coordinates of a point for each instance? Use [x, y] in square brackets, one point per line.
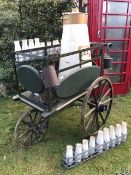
[30, 79]
[77, 81]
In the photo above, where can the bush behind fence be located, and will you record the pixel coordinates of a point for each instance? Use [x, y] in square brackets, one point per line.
[28, 19]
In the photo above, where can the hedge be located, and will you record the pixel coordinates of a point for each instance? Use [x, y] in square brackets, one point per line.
[21, 19]
[28, 19]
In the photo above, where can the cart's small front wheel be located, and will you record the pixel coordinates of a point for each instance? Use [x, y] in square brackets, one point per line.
[97, 105]
[30, 128]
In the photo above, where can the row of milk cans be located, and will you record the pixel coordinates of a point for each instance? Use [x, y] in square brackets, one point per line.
[105, 139]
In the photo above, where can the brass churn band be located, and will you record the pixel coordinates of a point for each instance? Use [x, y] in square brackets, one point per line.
[75, 18]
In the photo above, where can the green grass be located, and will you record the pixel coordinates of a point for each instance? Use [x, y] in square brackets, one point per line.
[45, 158]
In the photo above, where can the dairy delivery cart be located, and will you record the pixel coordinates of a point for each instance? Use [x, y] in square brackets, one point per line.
[36, 73]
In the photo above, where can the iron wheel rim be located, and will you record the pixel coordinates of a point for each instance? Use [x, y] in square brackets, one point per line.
[99, 106]
[30, 128]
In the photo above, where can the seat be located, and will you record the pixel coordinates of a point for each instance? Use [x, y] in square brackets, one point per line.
[78, 81]
[70, 86]
[30, 79]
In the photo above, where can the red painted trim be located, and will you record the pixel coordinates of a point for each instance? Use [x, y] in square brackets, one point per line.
[124, 62]
[116, 73]
[122, 67]
[128, 68]
[120, 0]
[118, 51]
[117, 14]
[126, 39]
[122, 83]
[116, 27]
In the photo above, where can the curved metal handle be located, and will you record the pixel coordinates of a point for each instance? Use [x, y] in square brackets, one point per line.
[99, 33]
[109, 46]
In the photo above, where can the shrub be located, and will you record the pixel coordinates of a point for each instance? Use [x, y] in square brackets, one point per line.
[28, 19]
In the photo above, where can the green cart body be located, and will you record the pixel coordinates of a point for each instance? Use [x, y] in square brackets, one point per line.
[39, 87]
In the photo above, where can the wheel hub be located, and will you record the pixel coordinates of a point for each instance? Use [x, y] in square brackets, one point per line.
[101, 107]
[34, 127]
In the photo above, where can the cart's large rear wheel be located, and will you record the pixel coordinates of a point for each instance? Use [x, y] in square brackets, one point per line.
[97, 105]
[30, 128]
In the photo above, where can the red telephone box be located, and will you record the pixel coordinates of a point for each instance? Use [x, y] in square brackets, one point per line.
[110, 21]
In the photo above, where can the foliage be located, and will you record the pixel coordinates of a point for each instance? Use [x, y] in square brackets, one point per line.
[7, 79]
[8, 31]
[21, 19]
[5, 74]
[28, 19]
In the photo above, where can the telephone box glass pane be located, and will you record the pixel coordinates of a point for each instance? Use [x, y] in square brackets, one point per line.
[117, 57]
[115, 33]
[115, 7]
[117, 45]
[115, 78]
[117, 21]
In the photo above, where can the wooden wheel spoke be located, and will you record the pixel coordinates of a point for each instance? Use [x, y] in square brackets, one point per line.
[107, 101]
[25, 122]
[99, 89]
[42, 124]
[93, 122]
[30, 129]
[31, 118]
[92, 126]
[102, 118]
[26, 132]
[35, 116]
[97, 104]
[41, 132]
[90, 119]
[87, 120]
[103, 89]
[90, 112]
[97, 122]
[94, 95]
[88, 123]
[31, 139]
[108, 110]
[36, 136]
[41, 120]
[106, 94]
[91, 103]
[27, 138]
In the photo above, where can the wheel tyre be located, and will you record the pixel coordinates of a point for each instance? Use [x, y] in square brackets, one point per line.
[99, 102]
[34, 128]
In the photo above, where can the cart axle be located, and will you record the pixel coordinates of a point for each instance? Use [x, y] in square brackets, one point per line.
[101, 107]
